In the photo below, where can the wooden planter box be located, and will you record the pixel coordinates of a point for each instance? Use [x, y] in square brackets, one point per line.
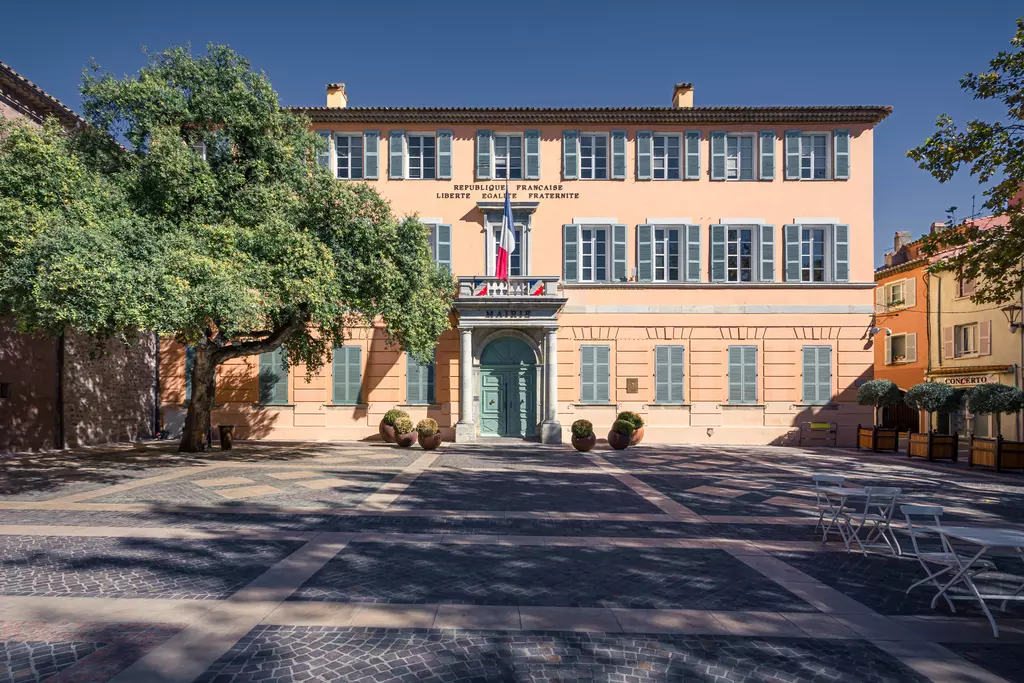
[818, 434]
[878, 438]
[996, 453]
[932, 446]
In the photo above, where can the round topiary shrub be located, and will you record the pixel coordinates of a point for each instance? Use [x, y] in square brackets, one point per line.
[878, 393]
[624, 427]
[392, 416]
[403, 425]
[426, 427]
[581, 429]
[995, 399]
[632, 418]
[931, 397]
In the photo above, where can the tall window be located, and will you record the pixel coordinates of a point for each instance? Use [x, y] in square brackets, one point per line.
[273, 380]
[593, 254]
[666, 254]
[419, 381]
[739, 255]
[595, 373]
[894, 294]
[666, 157]
[668, 374]
[508, 156]
[593, 156]
[323, 157]
[817, 374]
[422, 155]
[739, 157]
[742, 374]
[812, 254]
[349, 152]
[966, 339]
[814, 156]
[347, 371]
[515, 259]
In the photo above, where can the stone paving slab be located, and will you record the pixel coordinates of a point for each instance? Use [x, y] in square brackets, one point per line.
[545, 576]
[298, 654]
[1001, 659]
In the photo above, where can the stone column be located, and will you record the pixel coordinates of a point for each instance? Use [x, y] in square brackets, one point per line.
[550, 428]
[465, 430]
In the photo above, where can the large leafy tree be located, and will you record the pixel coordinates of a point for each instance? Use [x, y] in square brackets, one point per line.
[994, 153]
[212, 224]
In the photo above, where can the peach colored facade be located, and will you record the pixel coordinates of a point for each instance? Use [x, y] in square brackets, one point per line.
[714, 394]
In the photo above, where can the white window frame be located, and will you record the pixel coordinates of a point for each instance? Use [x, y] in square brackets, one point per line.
[593, 156]
[507, 158]
[969, 332]
[362, 156]
[328, 136]
[408, 155]
[892, 303]
[807, 151]
[664, 244]
[665, 158]
[607, 230]
[891, 360]
[492, 235]
[827, 252]
[737, 160]
[755, 250]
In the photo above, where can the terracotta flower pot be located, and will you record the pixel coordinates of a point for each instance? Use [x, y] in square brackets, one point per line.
[584, 443]
[431, 442]
[638, 436]
[387, 432]
[618, 441]
[406, 440]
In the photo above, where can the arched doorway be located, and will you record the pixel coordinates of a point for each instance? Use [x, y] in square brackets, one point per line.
[508, 389]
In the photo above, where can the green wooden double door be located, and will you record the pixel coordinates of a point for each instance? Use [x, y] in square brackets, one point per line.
[508, 401]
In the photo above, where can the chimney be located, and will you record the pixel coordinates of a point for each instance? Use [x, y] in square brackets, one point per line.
[901, 239]
[682, 96]
[336, 97]
[936, 227]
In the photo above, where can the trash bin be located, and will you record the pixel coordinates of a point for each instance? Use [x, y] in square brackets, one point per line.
[226, 433]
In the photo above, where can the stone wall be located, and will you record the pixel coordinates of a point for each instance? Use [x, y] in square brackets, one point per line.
[28, 369]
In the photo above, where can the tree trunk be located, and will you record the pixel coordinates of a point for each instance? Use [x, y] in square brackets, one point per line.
[197, 420]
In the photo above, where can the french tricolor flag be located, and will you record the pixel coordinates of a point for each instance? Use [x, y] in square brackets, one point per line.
[507, 243]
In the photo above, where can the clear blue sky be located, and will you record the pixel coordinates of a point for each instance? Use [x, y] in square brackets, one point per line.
[906, 53]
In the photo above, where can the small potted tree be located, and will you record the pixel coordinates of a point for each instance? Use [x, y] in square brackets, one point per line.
[387, 424]
[995, 399]
[429, 435]
[583, 437]
[933, 397]
[878, 393]
[637, 422]
[405, 435]
[621, 434]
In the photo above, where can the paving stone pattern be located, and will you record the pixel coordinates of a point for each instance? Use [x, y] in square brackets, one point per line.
[546, 576]
[513, 458]
[1002, 659]
[36, 661]
[295, 654]
[112, 567]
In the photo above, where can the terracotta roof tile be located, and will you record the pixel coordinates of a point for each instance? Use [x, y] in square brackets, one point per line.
[36, 101]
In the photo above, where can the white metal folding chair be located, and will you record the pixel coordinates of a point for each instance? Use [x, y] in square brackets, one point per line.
[828, 505]
[942, 556]
[874, 520]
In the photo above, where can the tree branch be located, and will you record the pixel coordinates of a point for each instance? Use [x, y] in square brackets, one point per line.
[252, 348]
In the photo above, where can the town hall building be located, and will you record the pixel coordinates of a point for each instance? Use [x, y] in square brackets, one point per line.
[710, 268]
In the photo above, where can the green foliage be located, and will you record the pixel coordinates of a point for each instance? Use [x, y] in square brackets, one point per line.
[631, 417]
[581, 429]
[403, 425]
[933, 397]
[993, 399]
[624, 427]
[878, 392]
[426, 427]
[994, 153]
[392, 416]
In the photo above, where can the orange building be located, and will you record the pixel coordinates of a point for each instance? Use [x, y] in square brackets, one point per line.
[901, 314]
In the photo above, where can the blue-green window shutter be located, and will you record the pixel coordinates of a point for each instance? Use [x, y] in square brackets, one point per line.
[587, 391]
[767, 166]
[841, 244]
[644, 253]
[644, 154]
[347, 370]
[396, 154]
[692, 155]
[595, 374]
[767, 253]
[371, 154]
[484, 142]
[718, 155]
[444, 154]
[618, 155]
[570, 154]
[817, 379]
[718, 253]
[661, 383]
[323, 157]
[792, 155]
[841, 155]
[693, 252]
[792, 234]
[531, 140]
[190, 362]
[443, 246]
[419, 381]
[619, 273]
[669, 374]
[273, 381]
[570, 252]
[742, 374]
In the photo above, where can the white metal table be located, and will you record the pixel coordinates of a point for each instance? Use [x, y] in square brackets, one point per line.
[987, 539]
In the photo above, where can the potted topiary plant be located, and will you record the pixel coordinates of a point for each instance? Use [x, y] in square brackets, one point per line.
[583, 437]
[387, 424]
[878, 393]
[620, 435]
[430, 437]
[933, 397]
[995, 399]
[405, 435]
[637, 422]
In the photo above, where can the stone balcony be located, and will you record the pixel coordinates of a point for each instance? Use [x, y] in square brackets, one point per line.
[517, 286]
[521, 301]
